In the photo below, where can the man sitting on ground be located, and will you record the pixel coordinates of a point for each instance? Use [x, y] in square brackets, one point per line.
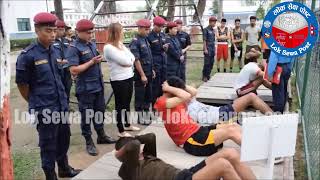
[207, 114]
[183, 130]
[138, 164]
[251, 75]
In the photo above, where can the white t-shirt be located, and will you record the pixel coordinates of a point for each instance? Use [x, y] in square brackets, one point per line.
[253, 35]
[117, 59]
[247, 74]
[202, 113]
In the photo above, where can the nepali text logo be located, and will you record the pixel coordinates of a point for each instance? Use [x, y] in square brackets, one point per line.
[290, 29]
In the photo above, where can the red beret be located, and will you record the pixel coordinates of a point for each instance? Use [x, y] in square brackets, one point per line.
[212, 18]
[159, 21]
[84, 25]
[60, 24]
[171, 24]
[178, 21]
[45, 18]
[143, 23]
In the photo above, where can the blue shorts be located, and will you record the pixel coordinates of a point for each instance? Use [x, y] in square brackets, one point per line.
[226, 112]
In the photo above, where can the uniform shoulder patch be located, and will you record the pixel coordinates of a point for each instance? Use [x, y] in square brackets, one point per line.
[28, 48]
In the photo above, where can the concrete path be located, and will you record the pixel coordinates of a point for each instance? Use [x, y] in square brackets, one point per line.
[107, 167]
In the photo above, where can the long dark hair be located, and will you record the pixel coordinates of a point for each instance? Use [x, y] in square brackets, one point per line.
[177, 82]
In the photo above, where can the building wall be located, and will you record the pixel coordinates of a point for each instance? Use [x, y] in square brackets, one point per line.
[22, 9]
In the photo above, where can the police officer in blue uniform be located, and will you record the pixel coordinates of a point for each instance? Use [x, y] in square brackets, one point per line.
[158, 47]
[209, 37]
[144, 73]
[84, 61]
[62, 44]
[175, 57]
[185, 42]
[39, 82]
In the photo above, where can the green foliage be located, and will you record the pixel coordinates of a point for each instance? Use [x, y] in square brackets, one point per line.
[20, 43]
[215, 7]
[128, 35]
[260, 13]
[274, 2]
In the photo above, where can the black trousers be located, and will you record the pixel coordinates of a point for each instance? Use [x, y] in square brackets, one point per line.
[54, 140]
[67, 81]
[122, 93]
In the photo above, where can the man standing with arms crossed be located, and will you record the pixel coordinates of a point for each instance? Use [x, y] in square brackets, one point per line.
[237, 37]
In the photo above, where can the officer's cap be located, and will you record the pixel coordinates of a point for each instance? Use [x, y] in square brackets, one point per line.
[84, 25]
[212, 18]
[143, 23]
[171, 24]
[45, 19]
[60, 24]
[178, 21]
[159, 21]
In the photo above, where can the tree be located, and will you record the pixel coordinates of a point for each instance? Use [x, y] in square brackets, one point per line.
[171, 10]
[220, 9]
[215, 7]
[200, 8]
[58, 9]
[260, 13]
[107, 7]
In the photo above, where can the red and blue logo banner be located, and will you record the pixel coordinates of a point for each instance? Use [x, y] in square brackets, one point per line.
[290, 29]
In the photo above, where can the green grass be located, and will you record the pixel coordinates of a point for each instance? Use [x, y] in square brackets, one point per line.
[299, 159]
[27, 164]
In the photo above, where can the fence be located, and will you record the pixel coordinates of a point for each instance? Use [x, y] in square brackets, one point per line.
[307, 71]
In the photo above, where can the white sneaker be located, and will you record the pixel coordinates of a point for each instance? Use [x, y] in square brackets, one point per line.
[278, 160]
[131, 128]
[124, 134]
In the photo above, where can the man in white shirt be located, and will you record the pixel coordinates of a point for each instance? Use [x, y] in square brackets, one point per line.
[253, 35]
[251, 75]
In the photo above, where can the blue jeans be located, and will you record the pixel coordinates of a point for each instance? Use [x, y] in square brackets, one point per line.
[279, 91]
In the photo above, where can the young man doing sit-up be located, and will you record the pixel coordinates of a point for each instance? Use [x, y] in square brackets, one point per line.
[183, 130]
[141, 163]
[207, 114]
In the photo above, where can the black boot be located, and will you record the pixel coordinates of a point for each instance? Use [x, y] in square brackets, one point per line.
[145, 119]
[90, 147]
[50, 174]
[103, 138]
[64, 170]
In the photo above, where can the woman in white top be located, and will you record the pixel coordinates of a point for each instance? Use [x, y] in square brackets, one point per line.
[120, 61]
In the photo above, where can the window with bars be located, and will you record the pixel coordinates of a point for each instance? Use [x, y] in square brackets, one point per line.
[23, 24]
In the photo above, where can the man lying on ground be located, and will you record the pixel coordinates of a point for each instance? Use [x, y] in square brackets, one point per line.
[251, 75]
[183, 130]
[207, 114]
[141, 163]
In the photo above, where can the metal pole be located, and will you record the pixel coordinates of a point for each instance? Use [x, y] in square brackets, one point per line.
[306, 71]
[47, 5]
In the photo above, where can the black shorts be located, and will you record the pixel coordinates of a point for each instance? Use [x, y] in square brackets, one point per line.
[226, 112]
[187, 174]
[232, 51]
[201, 143]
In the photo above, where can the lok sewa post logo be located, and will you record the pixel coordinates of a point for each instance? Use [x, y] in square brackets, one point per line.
[290, 29]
